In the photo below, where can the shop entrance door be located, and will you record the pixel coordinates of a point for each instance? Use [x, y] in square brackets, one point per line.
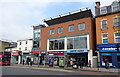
[83, 60]
[118, 60]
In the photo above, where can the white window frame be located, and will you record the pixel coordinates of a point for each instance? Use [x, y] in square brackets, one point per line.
[69, 28]
[59, 32]
[118, 21]
[82, 26]
[115, 5]
[116, 37]
[103, 8]
[104, 37]
[51, 32]
[106, 24]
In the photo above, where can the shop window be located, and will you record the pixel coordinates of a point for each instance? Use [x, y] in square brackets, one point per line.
[81, 26]
[83, 42]
[116, 22]
[71, 28]
[77, 43]
[60, 30]
[51, 31]
[109, 59]
[70, 43]
[104, 38]
[57, 44]
[117, 37]
[104, 24]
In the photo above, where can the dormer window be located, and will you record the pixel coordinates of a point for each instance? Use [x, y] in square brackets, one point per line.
[115, 7]
[103, 10]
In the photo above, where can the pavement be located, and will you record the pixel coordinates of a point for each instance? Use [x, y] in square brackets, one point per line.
[69, 69]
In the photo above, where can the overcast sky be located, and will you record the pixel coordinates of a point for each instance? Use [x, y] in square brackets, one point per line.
[18, 16]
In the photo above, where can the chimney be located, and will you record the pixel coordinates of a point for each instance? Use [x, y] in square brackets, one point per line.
[97, 4]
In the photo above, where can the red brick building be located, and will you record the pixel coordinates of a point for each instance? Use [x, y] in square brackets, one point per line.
[108, 33]
[71, 34]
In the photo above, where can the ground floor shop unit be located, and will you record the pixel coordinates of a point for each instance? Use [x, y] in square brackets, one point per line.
[14, 57]
[110, 53]
[56, 58]
[80, 56]
[39, 57]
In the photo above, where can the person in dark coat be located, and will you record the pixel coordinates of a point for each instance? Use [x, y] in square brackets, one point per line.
[23, 61]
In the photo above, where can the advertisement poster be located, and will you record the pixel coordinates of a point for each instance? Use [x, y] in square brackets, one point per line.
[50, 61]
[61, 61]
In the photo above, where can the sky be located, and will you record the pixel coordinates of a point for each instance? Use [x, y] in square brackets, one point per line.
[18, 16]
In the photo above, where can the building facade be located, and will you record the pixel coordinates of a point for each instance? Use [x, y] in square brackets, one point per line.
[37, 53]
[108, 33]
[24, 48]
[69, 37]
[4, 44]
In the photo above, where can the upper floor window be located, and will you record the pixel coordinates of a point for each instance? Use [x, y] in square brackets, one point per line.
[103, 10]
[19, 48]
[116, 22]
[71, 28]
[117, 37]
[115, 7]
[51, 31]
[104, 24]
[26, 42]
[81, 26]
[104, 38]
[20, 43]
[60, 30]
[37, 31]
[25, 48]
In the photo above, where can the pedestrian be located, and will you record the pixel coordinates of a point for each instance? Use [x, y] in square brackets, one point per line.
[89, 63]
[31, 61]
[28, 61]
[23, 61]
[106, 63]
[81, 63]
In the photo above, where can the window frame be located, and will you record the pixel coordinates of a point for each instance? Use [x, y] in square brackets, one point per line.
[102, 24]
[103, 8]
[60, 30]
[105, 38]
[53, 31]
[116, 22]
[115, 5]
[69, 29]
[82, 26]
[116, 37]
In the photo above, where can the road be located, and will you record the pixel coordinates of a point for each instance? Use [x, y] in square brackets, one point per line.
[8, 70]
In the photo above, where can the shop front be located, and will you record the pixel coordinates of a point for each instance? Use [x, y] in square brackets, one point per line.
[111, 54]
[25, 56]
[39, 57]
[76, 56]
[14, 57]
[56, 58]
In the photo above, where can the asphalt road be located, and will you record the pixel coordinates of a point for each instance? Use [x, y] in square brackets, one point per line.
[8, 70]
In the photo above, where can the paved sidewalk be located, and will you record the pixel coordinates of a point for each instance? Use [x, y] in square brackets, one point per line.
[111, 70]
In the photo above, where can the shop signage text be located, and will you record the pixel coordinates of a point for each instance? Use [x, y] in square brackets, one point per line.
[77, 50]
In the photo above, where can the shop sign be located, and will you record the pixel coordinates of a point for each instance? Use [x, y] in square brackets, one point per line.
[39, 52]
[77, 50]
[56, 52]
[109, 47]
[14, 54]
